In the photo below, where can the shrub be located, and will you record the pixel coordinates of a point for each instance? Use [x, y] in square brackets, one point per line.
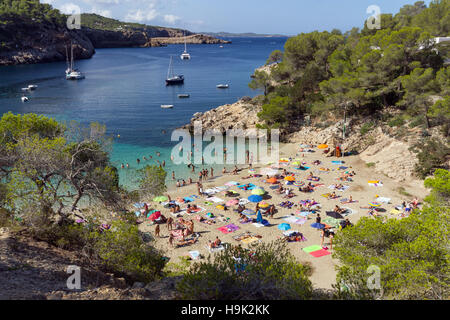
[396, 121]
[432, 154]
[366, 127]
[269, 272]
[370, 164]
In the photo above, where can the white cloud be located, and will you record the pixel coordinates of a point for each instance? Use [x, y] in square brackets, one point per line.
[141, 15]
[70, 8]
[171, 19]
[102, 1]
[102, 12]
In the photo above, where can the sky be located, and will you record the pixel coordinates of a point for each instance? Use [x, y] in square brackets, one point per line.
[288, 17]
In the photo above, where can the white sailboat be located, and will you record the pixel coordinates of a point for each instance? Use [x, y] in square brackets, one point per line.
[185, 55]
[71, 72]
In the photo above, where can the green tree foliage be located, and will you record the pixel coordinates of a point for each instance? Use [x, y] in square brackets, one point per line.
[411, 253]
[49, 170]
[275, 57]
[431, 154]
[435, 19]
[440, 187]
[419, 85]
[152, 181]
[30, 10]
[267, 272]
[261, 80]
[274, 113]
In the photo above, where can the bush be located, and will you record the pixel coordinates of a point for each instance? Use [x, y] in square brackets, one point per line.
[396, 121]
[268, 272]
[122, 250]
[432, 154]
[366, 127]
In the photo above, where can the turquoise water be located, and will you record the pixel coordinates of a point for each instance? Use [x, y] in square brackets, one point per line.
[124, 89]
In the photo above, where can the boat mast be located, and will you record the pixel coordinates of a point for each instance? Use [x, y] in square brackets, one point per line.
[170, 67]
[71, 55]
[185, 50]
[67, 57]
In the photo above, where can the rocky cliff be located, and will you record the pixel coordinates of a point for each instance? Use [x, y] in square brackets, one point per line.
[24, 42]
[192, 39]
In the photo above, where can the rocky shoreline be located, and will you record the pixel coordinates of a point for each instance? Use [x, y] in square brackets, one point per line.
[28, 43]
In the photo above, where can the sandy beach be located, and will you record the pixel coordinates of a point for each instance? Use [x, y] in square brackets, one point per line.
[324, 273]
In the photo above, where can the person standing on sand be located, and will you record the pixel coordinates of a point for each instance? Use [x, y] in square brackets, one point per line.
[169, 224]
[157, 231]
[173, 175]
[212, 172]
[171, 240]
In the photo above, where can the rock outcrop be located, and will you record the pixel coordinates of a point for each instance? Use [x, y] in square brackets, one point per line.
[24, 43]
[239, 115]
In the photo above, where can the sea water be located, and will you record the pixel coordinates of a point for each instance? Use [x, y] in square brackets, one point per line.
[125, 88]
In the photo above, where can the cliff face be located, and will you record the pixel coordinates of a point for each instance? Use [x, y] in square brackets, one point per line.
[24, 43]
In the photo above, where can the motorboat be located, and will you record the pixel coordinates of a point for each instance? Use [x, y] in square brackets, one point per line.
[24, 99]
[184, 95]
[32, 87]
[222, 86]
[167, 106]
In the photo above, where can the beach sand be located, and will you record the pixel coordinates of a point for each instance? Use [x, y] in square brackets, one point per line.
[324, 273]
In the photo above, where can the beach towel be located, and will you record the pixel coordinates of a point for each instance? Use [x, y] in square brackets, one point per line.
[189, 199]
[395, 211]
[303, 213]
[294, 220]
[333, 187]
[228, 228]
[383, 199]
[250, 240]
[312, 248]
[302, 168]
[337, 162]
[211, 191]
[194, 255]
[258, 225]
[139, 205]
[215, 199]
[232, 183]
[248, 212]
[320, 253]
[214, 250]
[199, 209]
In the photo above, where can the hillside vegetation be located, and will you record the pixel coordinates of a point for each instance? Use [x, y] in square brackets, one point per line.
[362, 73]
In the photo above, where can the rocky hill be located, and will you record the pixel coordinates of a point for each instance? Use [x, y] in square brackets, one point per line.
[25, 42]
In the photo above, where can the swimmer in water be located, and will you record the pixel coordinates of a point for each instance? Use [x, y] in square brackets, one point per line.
[128, 165]
[158, 154]
[122, 166]
[164, 163]
[145, 158]
[138, 161]
[173, 175]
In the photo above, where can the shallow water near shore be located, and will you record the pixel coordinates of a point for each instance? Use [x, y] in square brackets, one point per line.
[124, 89]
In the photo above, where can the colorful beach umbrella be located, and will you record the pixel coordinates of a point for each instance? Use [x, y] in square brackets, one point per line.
[284, 226]
[322, 146]
[155, 215]
[258, 191]
[317, 225]
[272, 180]
[255, 198]
[160, 199]
[289, 178]
[298, 183]
[263, 205]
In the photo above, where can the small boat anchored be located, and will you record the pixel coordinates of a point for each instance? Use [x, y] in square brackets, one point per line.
[185, 55]
[171, 78]
[183, 95]
[167, 106]
[222, 86]
[71, 72]
[24, 99]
